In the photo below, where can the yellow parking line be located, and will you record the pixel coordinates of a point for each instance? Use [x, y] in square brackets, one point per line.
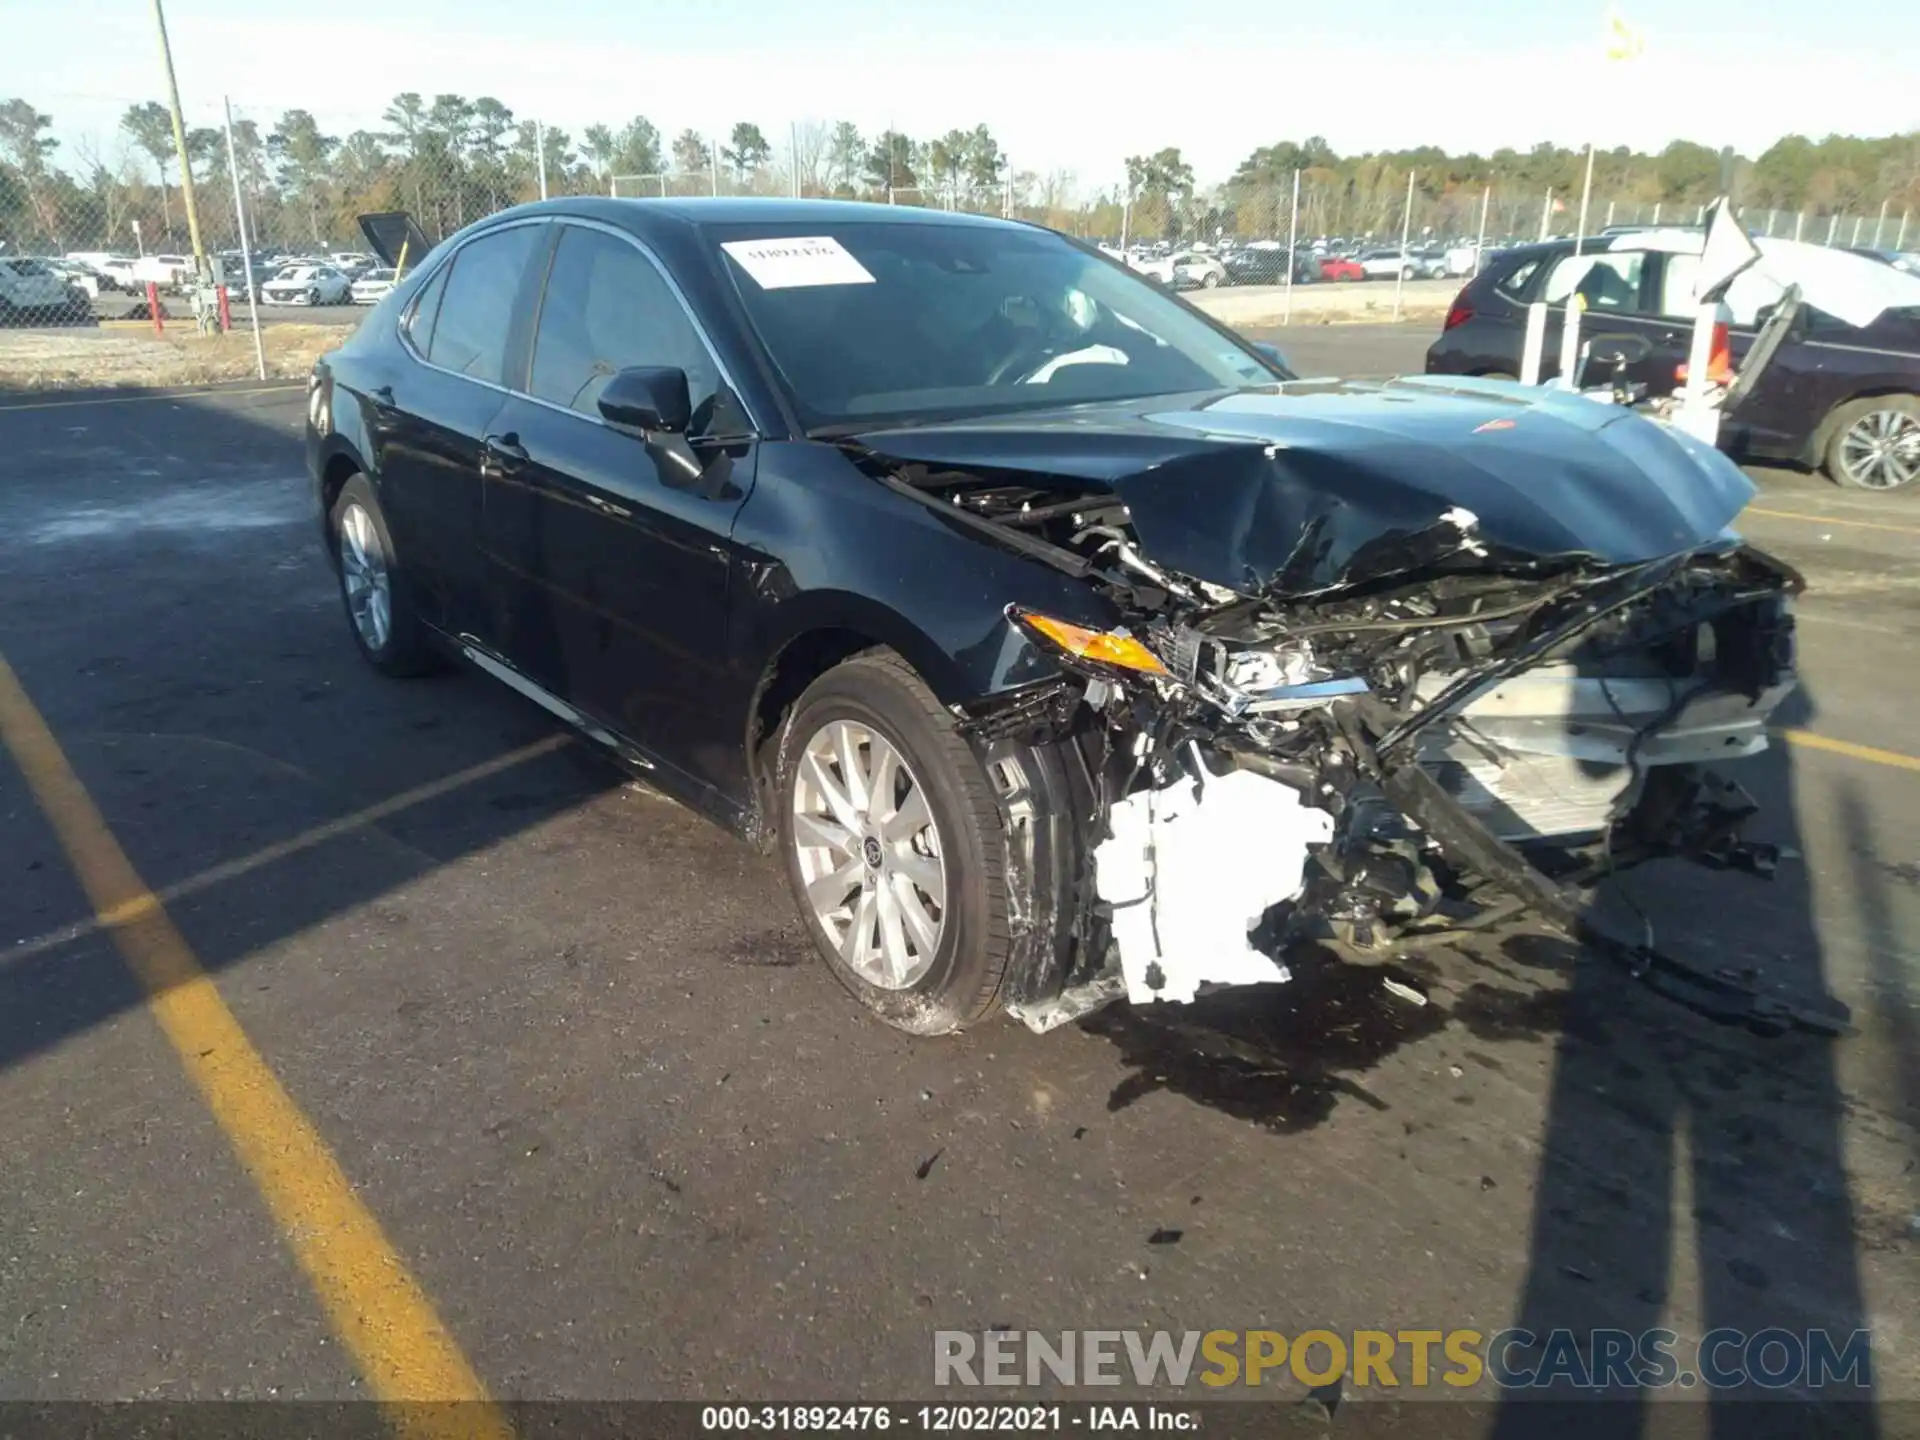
[162, 395]
[403, 1349]
[1833, 520]
[1807, 740]
[280, 850]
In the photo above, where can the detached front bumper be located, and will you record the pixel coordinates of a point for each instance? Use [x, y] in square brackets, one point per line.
[1205, 880]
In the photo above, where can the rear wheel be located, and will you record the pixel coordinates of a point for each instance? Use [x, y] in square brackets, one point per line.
[1874, 444]
[1210, 279]
[894, 846]
[384, 625]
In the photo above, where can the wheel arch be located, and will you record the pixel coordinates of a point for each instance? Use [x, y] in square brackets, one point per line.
[814, 633]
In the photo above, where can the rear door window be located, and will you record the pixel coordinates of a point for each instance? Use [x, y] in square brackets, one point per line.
[476, 311]
[1608, 280]
[1514, 284]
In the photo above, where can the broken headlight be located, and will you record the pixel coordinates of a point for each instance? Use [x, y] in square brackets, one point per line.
[1116, 649]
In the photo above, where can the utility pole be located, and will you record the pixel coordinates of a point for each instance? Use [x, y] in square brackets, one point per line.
[200, 266]
[540, 154]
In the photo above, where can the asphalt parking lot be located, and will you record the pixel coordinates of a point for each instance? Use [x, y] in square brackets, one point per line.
[418, 1050]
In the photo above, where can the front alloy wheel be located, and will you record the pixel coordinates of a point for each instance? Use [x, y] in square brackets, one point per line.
[1877, 445]
[870, 854]
[895, 845]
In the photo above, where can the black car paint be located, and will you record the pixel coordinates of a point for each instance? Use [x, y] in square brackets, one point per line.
[1810, 377]
[660, 598]
[1315, 484]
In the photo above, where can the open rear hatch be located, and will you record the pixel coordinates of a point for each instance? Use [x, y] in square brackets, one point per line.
[395, 238]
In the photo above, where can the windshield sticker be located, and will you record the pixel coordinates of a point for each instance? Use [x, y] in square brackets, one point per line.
[802, 260]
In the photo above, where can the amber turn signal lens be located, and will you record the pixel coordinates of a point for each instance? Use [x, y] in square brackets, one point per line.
[1101, 645]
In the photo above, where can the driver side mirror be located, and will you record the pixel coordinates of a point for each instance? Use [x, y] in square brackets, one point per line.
[650, 398]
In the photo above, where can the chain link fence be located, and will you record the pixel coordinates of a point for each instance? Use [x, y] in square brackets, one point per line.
[100, 247]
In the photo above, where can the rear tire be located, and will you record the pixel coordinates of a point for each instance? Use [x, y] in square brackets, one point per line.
[373, 586]
[866, 889]
[1874, 444]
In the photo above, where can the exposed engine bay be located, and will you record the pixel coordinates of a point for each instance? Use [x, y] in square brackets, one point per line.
[1377, 737]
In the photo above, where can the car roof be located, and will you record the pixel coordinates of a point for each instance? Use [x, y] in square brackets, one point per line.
[644, 214]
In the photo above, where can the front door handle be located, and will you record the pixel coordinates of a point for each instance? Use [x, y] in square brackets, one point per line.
[502, 454]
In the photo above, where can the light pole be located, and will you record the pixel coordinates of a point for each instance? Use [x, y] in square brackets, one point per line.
[180, 147]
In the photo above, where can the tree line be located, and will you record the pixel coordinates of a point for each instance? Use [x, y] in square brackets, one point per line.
[450, 159]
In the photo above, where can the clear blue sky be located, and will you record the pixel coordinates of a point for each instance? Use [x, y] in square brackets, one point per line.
[1070, 85]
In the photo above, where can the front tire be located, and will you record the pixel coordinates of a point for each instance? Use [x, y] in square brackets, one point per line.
[379, 614]
[1874, 444]
[1209, 280]
[894, 846]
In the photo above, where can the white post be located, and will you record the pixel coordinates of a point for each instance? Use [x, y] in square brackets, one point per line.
[1586, 192]
[1880, 221]
[1656, 212]
[1858, 221]
[1900, 240]
[1534, 347]
[1570, 341]
[1126, 216]
[1799, 223]
[1700, 354]
[793, 154]
[1546, 212]
[1772, 215]
[1609, 224]
[613, 186]
[713, 164]
[1293, 241]
[246, 251]
[1480, 237]
[1406, 229]
[1833, 225]
[540, 154]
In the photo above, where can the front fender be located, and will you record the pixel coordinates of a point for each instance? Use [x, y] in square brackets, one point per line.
[829, 548]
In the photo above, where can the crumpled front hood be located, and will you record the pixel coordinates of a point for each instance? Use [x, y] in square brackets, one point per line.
[1311, 485]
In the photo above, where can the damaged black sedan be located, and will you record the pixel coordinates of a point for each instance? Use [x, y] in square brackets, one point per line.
[1065, 645]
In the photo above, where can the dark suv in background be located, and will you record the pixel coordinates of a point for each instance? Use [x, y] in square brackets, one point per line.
[1835, 395]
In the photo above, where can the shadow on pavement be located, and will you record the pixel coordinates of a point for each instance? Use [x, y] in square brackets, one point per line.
[165, 602]
[1685, 1168]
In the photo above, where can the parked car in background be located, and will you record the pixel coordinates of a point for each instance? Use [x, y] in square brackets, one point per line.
[33, 292]
[1341, 267]
[1268, 265]
[168, 271]
[308, 285]
[82, 277]
[351, 263]
[119, 271]
[1385, 264]
[1840, 396]
[1185, 269]
[1429, 263]
[373, 287]
[1460, 260]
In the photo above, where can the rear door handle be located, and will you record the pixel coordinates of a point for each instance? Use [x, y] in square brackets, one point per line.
[502, 454]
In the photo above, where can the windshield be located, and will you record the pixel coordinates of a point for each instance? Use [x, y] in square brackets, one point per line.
[901, 322]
